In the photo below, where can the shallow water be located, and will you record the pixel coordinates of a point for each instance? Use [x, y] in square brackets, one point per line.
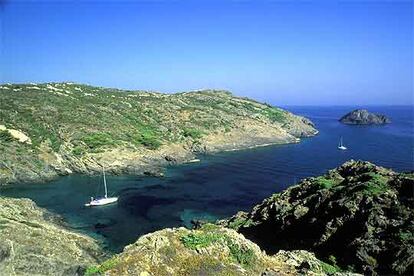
[223, 183]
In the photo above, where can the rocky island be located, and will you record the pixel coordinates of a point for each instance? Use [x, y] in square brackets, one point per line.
[55, 129]
[363, 117]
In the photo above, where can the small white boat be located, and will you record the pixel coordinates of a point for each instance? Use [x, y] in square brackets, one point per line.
[102, 200]
[341, 145]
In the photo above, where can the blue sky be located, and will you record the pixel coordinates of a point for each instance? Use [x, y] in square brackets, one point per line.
[283, 52]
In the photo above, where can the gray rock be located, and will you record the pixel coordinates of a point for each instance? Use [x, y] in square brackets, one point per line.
[363, 117]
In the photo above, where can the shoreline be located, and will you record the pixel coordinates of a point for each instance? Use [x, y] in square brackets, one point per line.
[155, 162]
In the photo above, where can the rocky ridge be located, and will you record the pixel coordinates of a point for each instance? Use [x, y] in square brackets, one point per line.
[69, 127]
[210, 250]
[363, 117]
[358, 216]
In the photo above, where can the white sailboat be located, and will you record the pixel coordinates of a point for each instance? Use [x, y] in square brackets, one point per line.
[102, 200]
[341, 145]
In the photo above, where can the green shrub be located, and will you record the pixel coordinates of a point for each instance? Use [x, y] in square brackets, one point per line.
[375, 185]
[100, 269]
[5, 136]
[274, 114]
[200, 240]
[97, 140]
[78, 151]
[329, 269]
[324, 183]
[193, 133]
[148, 140]
[244, 256]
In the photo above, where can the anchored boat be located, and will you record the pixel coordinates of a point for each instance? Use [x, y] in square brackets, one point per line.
[341, 145]
[102, 200]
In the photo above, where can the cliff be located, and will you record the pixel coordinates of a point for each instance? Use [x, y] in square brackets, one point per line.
[358, 216]
[59, 128]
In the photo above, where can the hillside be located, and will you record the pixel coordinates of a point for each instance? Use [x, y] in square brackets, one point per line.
[358, 216]
[58, 128]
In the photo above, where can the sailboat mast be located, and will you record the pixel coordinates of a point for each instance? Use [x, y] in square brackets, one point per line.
[104, 178]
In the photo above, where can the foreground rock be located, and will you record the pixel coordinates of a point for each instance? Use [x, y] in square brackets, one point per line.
[359, 216]
[54, 129]
[211, 250]
[33, 243]
[363, 117]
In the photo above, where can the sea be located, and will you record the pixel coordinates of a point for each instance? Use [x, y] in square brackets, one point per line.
[224, 183]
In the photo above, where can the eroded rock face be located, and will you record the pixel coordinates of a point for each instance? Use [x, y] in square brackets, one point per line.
[32, 242]
[363, 117]
[210, 250]
[360, 214]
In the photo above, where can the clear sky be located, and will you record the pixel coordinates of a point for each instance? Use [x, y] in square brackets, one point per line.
[282, 52]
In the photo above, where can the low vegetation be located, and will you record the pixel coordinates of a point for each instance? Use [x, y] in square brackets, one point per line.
[76, 120]
[100, 269]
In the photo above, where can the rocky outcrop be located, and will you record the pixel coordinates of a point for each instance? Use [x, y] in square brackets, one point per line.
[55, 129]
[210, 250]
[359, 216]
[363, 117]
[34, 242]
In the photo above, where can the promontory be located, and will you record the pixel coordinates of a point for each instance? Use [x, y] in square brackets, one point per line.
[55, 129]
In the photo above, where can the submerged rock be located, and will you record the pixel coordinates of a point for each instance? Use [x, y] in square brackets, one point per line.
[363, 117]
[359, 216]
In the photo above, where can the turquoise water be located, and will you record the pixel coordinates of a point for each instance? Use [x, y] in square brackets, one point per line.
[223, 183]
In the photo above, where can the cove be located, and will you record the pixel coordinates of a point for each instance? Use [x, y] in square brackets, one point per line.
[223, 183]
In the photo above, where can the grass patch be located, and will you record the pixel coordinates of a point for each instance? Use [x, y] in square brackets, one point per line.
[100, 269]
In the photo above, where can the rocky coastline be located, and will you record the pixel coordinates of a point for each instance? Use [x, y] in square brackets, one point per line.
[142, 133]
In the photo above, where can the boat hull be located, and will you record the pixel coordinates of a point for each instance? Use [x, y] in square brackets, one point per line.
[102, 201]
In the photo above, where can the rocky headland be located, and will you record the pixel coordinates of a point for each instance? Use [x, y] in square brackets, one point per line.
[364, 117]
[358, 216]
[55, 129]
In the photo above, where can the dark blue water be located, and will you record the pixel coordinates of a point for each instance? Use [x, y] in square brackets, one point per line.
[224, 183]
